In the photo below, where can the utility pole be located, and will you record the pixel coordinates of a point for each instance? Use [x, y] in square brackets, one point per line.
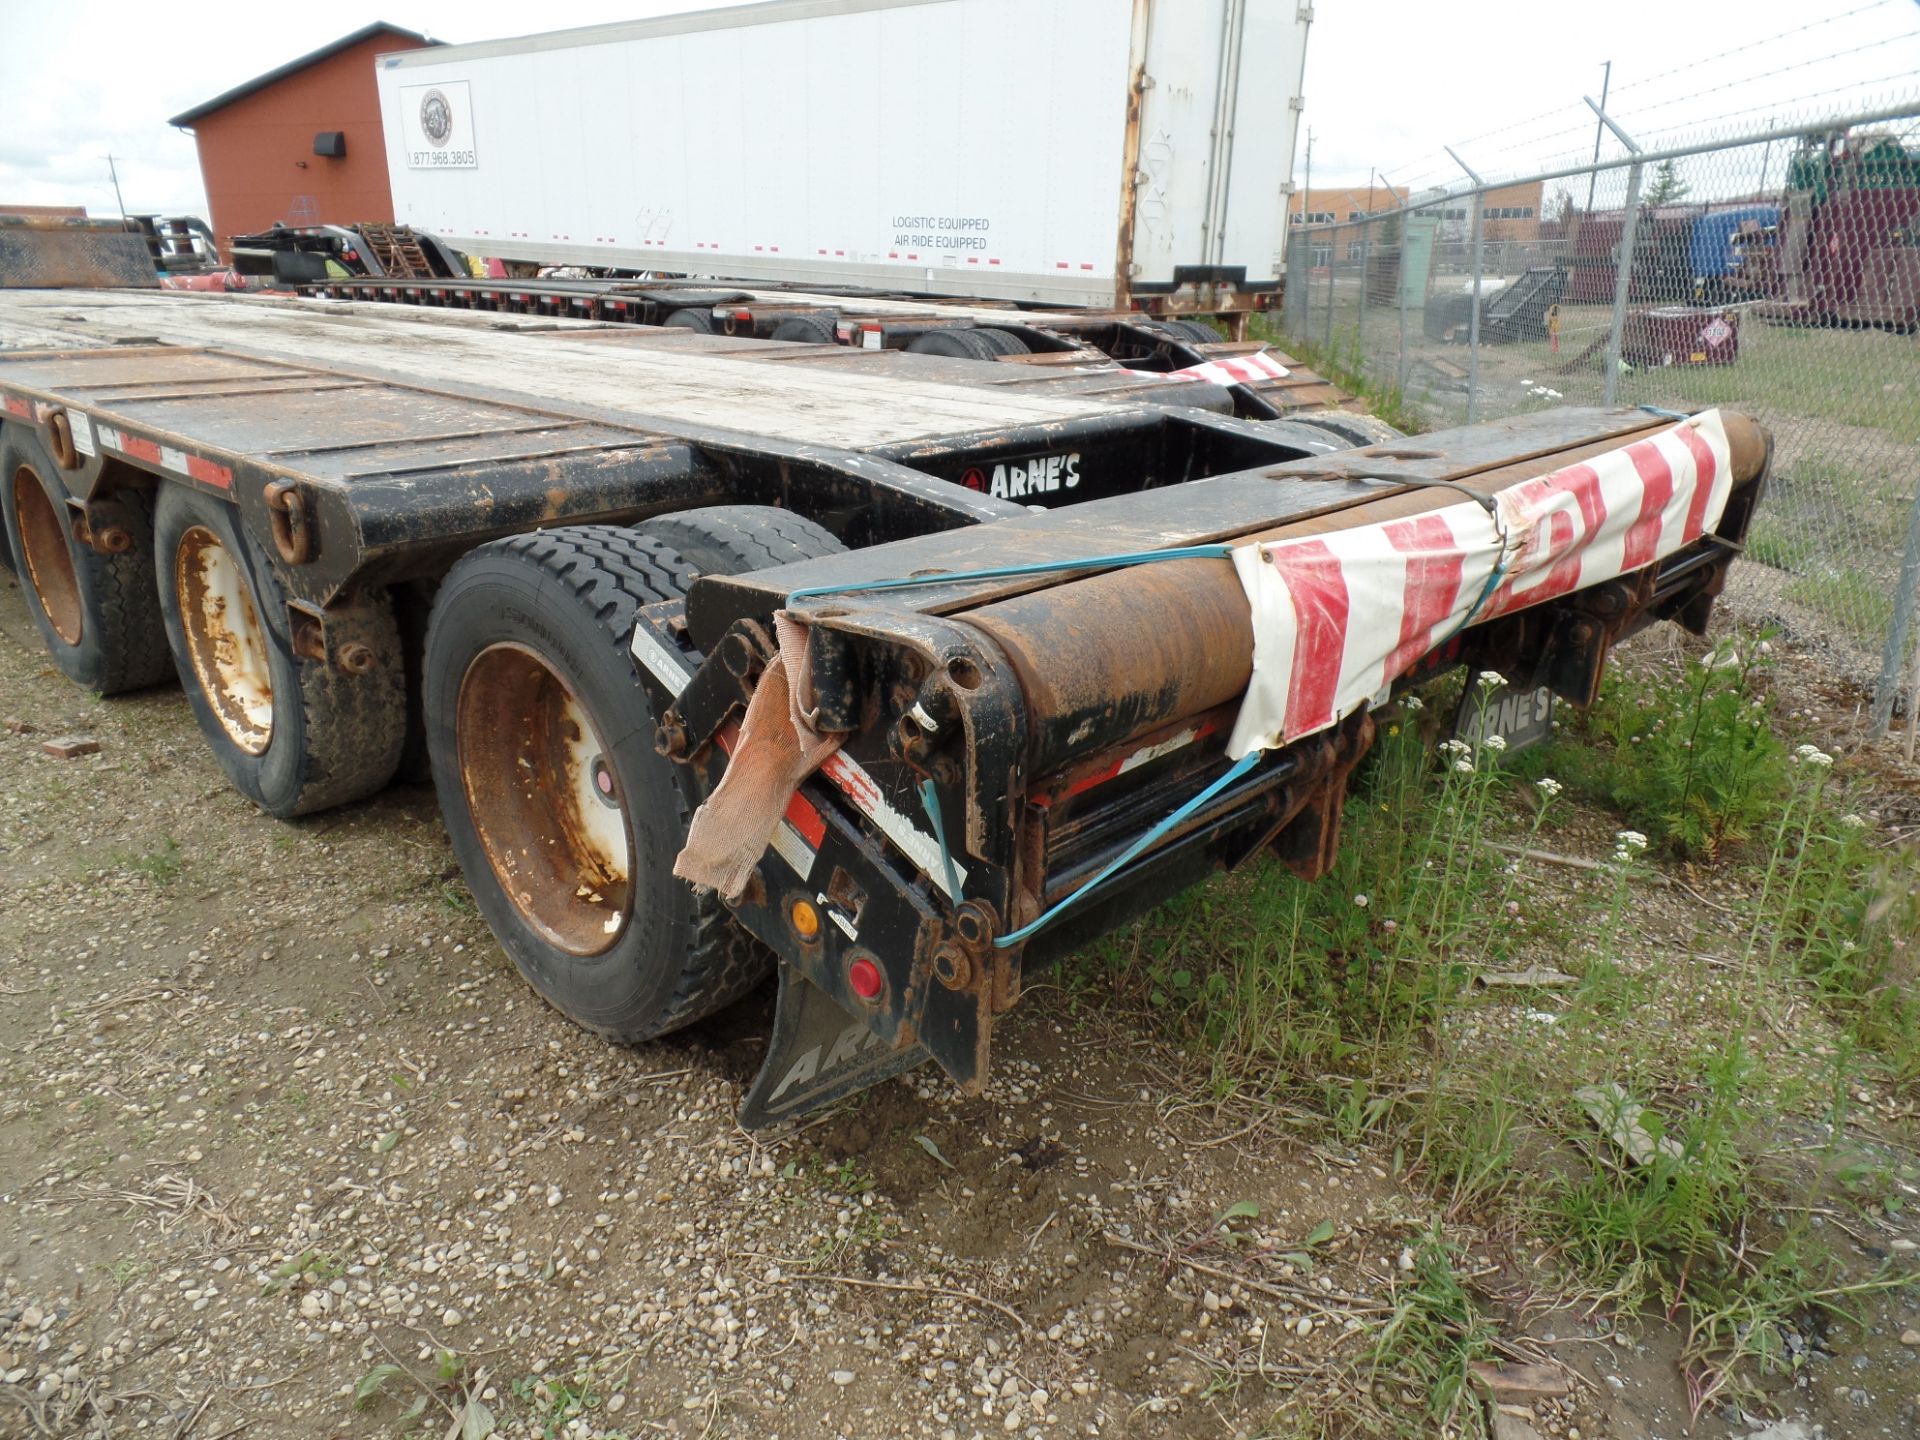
[116, 187]
[1307, 189]
[1599, 129]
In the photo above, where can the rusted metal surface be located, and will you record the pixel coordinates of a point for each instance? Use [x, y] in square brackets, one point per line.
[291, 524]
[545, 802]
[1131, 175]
[46, 562]
[1108, 657]
[226, 641]
[39, 253]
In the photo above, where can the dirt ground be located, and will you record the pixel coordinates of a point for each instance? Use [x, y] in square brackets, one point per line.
[275, 1113]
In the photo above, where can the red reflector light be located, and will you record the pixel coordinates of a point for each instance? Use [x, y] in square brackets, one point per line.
[864, 976]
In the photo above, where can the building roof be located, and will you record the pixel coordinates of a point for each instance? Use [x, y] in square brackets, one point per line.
[260, 82]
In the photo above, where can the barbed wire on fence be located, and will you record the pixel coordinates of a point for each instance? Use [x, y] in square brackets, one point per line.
[1774, 267]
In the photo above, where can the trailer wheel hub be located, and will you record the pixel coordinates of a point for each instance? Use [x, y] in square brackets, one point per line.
[226, 643]
[546, 804]
[48, 561]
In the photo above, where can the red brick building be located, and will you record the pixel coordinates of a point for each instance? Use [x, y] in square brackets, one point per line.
[301, 144]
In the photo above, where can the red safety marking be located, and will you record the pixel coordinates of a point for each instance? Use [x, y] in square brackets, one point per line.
[804, 818]
[19, 407]
[1435, 568]
[1319, 588]
[140, 449]
[1656, 475]
[1703, 463]
[1133, 760]
[208, 473]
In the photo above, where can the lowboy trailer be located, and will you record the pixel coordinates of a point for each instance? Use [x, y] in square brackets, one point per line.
[955, 660]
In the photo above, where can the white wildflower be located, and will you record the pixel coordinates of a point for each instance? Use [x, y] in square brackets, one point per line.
[1812, 755]
[1455, 747]
[1389, 926]
[1631, 840]
[1362, 901]
[1854, 822]
[1412, 702]
[1465, 767]
[1549, 786]
[1495, 743]
[1490, 678]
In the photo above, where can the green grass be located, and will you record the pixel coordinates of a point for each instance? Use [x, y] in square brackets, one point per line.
[1843, 406]
[161, 865]
[1343, 363]
[1352, 998]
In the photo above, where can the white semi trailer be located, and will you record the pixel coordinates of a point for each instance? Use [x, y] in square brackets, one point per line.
[1101, 153]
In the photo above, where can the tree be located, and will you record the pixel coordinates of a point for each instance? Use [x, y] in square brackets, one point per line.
[1667, 188]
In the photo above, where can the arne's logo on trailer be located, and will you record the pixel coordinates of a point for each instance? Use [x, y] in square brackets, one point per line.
[1024, 479]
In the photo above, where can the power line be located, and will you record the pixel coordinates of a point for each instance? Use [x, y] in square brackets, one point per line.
[1767, 75]
[1434, 160]
[1757, 44]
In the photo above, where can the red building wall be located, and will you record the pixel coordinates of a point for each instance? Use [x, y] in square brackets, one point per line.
[256, 154]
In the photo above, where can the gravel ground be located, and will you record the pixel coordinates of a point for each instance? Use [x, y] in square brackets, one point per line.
[275, 1113]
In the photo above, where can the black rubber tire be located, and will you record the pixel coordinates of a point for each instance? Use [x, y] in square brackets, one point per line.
[1194, 330]
[807, 330]
[698, 321]
[571, 595]
[956, 342]
[1356, 430]
[412, 605]
[341, 742]
[1004, 342]
[118, 643]
[739, 539]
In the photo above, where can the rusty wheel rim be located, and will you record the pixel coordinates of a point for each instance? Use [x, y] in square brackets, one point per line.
[546, 805]
[226, 643]
[48, 561]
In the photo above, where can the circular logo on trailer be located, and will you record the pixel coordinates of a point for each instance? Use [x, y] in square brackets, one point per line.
[436, 117]
[974, 479]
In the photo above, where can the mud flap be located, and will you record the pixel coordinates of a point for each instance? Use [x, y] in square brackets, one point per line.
[818, 1054]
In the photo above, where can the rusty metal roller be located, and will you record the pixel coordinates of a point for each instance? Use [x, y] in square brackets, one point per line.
[1111, 656]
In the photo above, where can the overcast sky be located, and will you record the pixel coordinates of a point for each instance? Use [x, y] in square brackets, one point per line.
[1387, 80]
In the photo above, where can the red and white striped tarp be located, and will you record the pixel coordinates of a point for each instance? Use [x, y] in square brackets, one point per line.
[1338, 617]
[1232, 370]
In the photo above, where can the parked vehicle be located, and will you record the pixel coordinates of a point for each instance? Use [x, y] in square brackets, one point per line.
[1051, 152]
[1846, 247]
[578, 574]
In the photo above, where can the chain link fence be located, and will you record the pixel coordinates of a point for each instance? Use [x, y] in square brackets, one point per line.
[1777, 272]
